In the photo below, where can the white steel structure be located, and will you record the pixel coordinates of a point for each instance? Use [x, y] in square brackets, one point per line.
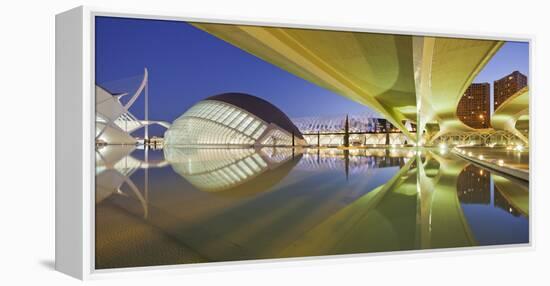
[327, 124]
[364, 129]
[114, 122]
[233, 119]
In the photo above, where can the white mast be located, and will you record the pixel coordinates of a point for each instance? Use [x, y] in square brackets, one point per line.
[146, 137]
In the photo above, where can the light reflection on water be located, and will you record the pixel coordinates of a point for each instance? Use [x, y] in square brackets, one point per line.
[187, 205]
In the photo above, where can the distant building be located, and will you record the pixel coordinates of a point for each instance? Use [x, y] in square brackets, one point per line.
[508, 86]
[474, 106]
[365, 122]
[369, 122]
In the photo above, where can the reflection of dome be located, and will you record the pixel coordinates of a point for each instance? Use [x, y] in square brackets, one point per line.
[232, 171]
[233, 119]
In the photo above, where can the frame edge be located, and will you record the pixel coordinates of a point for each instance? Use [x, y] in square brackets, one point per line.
[69, 66]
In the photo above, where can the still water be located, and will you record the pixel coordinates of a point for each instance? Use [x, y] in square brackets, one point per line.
[190, 205]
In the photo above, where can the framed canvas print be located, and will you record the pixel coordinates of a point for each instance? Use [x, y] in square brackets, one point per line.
[184, 141]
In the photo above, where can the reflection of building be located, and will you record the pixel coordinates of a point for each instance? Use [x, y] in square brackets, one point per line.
[473, 186]
[358, 160]
[508, 86]
[474, 106]
[233, 119]
[241, 171]
[114, 168]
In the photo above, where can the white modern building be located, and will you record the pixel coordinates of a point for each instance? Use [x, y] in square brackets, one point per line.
[114, 122]
[233, 119]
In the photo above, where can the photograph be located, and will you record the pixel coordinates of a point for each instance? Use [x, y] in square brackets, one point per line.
[221, 142]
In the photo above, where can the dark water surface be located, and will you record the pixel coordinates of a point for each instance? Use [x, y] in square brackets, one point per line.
[186, 205]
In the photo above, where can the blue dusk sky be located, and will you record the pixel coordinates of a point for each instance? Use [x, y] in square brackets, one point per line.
[187, 65]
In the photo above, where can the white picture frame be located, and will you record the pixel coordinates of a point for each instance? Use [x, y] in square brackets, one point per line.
[75, 155]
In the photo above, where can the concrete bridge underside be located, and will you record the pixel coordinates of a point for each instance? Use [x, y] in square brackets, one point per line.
[402, 77]
[510, 111]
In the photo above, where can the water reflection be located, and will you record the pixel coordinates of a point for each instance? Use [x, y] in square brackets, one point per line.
[231, 204]
[114, 167]
[356, 160]
[474, 186]
[232, 171]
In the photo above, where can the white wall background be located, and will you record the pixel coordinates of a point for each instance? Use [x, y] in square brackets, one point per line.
[27, 142]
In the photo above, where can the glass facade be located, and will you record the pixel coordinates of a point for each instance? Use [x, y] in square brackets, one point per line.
[212, 122]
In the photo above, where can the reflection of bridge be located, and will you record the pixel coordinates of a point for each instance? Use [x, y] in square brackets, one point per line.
[404, 78]
[418, 207]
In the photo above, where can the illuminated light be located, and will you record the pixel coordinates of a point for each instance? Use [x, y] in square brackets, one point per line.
[480, 157]
[519, 148]
[500, 162]
[481, 172]
[442, 146]
[469, 153]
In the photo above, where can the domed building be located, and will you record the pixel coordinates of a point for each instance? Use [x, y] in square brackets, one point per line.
[233, 119]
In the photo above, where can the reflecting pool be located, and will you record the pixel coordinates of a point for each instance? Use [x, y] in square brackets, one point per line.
[190, 205]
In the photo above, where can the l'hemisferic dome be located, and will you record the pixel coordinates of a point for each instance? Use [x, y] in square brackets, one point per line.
[233, 119]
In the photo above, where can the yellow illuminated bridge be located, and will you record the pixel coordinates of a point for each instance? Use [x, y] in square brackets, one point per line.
[403, 77]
